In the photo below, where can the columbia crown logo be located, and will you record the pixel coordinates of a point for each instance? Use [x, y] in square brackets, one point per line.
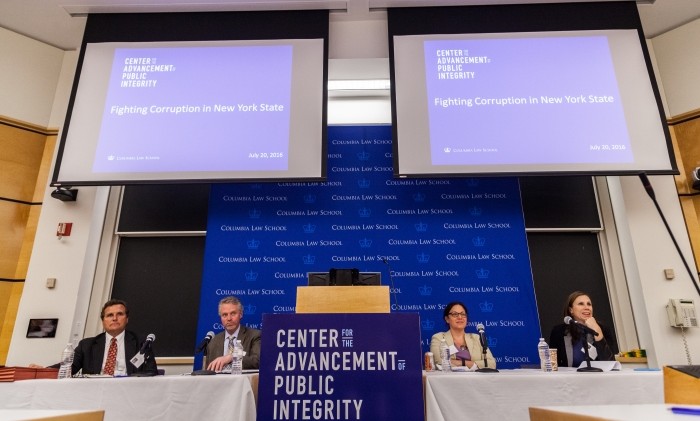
[482, 273]
[365, 243]
[363, 156]
[309, 198]
[364, 212]
[254, 214]
[363, 183]
[425, 290]
[253, 244]
[309, 228]
[251, 276]
[249, 309]
[421, 227]
[478, 241]
[475, 211]
[472, 182]
[419, 197]
[486, 307]
[423, 258]
[309, 259]
[427, 325]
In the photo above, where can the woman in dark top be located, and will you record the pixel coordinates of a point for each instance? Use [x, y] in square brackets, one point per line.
[569, 339]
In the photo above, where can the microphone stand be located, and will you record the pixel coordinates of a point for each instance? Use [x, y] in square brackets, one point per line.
[204, 358]
[391, 279]
[650, 191]
[588, 368]
[484, 348]
[203, 371]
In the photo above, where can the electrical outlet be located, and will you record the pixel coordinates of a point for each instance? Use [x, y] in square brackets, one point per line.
[50, 283]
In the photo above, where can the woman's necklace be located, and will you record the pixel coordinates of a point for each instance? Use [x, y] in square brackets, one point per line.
[458, 342]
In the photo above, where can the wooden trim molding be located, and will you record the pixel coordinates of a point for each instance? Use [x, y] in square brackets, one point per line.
[681, 118]
[174, 360]
[27, 126]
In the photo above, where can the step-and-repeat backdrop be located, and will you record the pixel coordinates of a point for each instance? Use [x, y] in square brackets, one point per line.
[432, 240]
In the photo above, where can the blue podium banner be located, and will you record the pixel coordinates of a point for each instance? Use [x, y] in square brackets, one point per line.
[341, 367]
[433, 241]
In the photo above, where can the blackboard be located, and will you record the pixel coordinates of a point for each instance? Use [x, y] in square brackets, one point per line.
[164, 207]
[160, 279]
[559, 202]
[561, 264]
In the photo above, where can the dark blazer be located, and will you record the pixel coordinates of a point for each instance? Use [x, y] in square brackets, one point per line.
[250, 340]
[607, 348]
[90, 352]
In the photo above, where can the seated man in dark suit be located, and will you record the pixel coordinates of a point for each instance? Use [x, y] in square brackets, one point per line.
[96, 355]
[231, 313]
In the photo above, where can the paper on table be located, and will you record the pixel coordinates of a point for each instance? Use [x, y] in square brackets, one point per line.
[604, 365]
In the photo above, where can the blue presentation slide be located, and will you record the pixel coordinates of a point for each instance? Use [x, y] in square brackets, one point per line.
[219, 107]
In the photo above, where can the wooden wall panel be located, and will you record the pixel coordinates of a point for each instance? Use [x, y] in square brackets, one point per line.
[25, 252]
[12, 292]
[13, 220]
[26, 152]
[685, 133]
[20, 161]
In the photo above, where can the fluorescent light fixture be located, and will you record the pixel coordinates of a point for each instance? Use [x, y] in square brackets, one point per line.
[359, 85]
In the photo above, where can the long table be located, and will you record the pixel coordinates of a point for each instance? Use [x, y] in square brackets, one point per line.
[507, 395]
[448, 396]
[140, 398]
[656, 412]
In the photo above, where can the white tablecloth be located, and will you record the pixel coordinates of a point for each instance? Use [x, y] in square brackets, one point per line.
[139, 398]
[507, 395]
[651, 412]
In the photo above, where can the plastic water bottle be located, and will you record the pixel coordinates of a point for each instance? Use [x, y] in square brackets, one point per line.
[66, 369]
[545, 356]
[237, 362]
[444, 356]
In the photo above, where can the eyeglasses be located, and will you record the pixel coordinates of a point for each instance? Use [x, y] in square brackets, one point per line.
[457, 315]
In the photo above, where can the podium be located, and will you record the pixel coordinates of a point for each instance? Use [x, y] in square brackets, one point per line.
[343, 299]
[343, 354]
[682, 384]
[359, 366]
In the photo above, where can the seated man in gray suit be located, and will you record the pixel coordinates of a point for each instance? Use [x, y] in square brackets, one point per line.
[231, 313]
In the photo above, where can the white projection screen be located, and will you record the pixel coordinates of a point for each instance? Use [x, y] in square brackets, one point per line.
[196, 111]
[523, 103]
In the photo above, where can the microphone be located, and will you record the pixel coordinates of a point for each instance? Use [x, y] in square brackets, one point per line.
[140, 357]
[571, 322]
[202, 345]
[482, 337]
[588, 368]
[647, 185]
[391, 279]
[650, 192]
[147, 344]
[484, 348]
